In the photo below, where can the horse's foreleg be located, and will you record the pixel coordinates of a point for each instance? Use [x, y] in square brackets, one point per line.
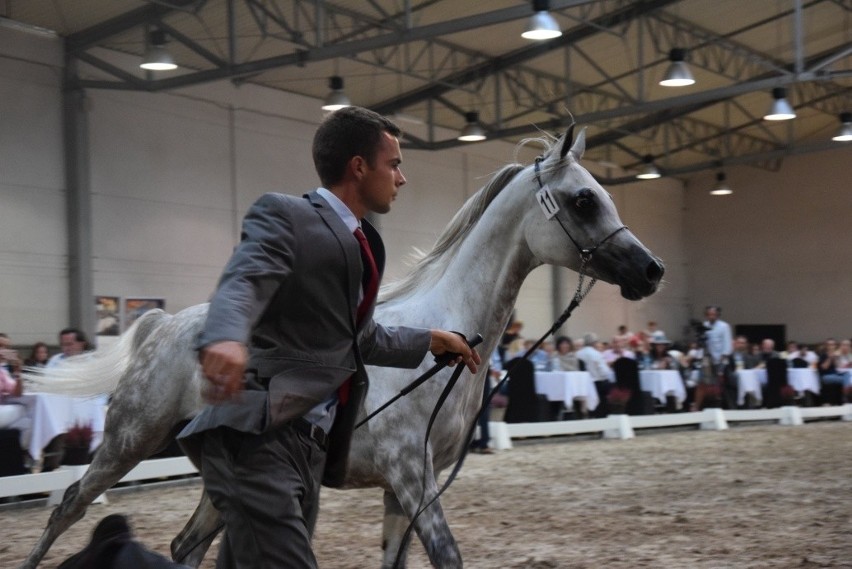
[431, 526]
[192, 543]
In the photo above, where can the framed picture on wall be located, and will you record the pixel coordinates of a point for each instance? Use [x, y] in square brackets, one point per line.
[136, 307]
[108, 311]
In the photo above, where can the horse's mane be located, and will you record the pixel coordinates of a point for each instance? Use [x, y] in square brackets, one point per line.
[425, 270]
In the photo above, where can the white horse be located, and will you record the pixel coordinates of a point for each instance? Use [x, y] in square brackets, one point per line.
[468, 282]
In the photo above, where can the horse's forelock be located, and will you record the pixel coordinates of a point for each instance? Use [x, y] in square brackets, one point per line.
[425, 269]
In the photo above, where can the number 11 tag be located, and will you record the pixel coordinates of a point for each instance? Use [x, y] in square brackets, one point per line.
[547, 203]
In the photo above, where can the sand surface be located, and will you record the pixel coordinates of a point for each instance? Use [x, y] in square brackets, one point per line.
[762, 496]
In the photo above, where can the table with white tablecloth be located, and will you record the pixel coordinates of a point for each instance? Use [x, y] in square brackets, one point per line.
[566, 385]
[750, 381]
[49, 415]
[663, 382]
[799, 378]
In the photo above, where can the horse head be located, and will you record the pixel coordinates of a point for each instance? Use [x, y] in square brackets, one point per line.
[577, 219]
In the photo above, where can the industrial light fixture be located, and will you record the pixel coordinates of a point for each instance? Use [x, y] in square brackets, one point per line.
[678, 73]
[157, 57]
[337, 99]
[781, 109]
[721, 188]
[472, 131]
[542, 26]
[649, 172]
[845, 133]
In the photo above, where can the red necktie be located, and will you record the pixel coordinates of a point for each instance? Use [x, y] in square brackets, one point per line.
[370, 286]
[370, 279]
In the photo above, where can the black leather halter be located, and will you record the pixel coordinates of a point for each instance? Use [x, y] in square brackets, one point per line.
[586, 253]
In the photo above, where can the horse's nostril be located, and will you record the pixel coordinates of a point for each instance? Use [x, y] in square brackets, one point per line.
[655, 271]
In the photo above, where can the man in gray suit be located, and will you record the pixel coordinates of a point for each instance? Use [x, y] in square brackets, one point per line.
[288, 334]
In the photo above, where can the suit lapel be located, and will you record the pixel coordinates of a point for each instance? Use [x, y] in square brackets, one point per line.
[348, 246]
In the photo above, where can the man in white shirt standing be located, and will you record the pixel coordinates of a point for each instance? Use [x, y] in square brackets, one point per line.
[719, 345]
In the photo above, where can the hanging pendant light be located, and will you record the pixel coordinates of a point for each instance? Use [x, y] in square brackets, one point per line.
[337, 99]
[781, 109]
[649, 171]
[542, 26]
[678, 73]
[157, 57]
[845, 133]
[472, 131]
[721, 188]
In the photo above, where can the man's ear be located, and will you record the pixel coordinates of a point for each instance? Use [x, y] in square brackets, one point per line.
[358, 167]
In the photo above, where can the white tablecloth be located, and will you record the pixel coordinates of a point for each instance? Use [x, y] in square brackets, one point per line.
[799, 378]
[662, 382]
[566, 385]
[750, 381]
[50, 415]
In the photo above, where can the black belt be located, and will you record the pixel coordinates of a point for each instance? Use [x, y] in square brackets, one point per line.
[310, 430]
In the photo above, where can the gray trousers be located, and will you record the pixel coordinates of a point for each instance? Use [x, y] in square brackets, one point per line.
[267, 489]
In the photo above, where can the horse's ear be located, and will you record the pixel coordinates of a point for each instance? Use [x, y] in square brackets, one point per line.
[567, 140]
[579, 146]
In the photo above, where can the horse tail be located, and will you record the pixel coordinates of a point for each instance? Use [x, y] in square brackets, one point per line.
[98, 372]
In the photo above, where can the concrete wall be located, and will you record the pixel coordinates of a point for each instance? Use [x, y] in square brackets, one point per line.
[778, 250]
[173, 173]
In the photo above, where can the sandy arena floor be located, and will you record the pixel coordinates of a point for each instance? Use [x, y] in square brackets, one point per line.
[750, 497]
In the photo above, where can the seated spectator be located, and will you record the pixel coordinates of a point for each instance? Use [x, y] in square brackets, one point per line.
[623, 334]
[9, 412]
[833, 363]
[540, 358]
[659, 355]
[796, 351]
[565, 358]
[618, 350]
[39, 356]
[9, 359]
[844, 355]
[510, 337]
[72, 342]
[767, 352]
[741, 357]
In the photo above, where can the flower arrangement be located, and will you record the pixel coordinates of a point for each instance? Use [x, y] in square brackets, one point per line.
[617, 399]
[788, 394]
[77, 441]
[79, 436]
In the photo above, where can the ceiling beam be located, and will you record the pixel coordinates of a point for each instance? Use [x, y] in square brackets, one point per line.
[497, 64]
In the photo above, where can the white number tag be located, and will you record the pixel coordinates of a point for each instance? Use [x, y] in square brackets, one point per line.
[547, 203]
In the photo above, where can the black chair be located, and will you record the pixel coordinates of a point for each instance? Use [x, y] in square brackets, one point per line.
[799, 363]
[525, 405]
[11, 453]
[776, 378]
[627, 377]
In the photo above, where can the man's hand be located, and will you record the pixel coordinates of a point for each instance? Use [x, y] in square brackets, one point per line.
[443, 342]
[223, 364]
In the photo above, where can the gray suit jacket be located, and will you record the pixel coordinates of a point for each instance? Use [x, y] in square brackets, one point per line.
[290, 293]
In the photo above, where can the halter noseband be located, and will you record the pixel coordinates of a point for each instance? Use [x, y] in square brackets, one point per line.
[585, 252]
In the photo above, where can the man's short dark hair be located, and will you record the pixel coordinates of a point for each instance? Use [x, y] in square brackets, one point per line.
[79, 335]
[349, 132]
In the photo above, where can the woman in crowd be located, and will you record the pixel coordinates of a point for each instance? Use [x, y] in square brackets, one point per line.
[39, 356]
[565, 358]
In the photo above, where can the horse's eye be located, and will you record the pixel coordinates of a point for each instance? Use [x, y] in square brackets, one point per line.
[585, 200]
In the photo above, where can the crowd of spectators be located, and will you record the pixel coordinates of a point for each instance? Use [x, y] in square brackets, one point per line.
[708, 365]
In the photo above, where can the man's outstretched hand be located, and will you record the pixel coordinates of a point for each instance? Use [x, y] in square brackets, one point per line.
[449, 342]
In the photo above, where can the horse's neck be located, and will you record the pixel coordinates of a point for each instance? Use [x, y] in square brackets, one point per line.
[484, 275]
